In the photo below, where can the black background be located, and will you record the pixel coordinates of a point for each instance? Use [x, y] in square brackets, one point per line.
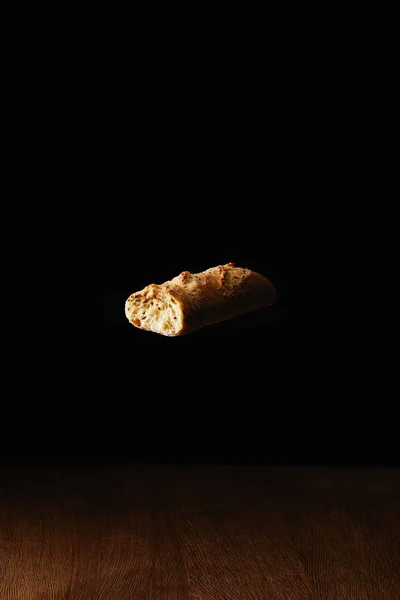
[198, 175]
[184, 161]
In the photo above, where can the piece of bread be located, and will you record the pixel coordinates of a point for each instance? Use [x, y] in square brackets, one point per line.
[191, 301]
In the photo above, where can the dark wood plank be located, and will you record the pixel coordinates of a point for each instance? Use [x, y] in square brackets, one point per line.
[151, 532]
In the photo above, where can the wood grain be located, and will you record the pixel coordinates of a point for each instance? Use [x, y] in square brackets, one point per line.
[137, 532]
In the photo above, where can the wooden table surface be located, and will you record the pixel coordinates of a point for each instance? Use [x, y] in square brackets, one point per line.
[141, 532]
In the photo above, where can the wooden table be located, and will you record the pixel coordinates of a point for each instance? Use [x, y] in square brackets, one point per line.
[141, 532]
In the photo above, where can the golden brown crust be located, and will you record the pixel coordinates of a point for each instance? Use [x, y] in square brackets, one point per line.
[197, 300]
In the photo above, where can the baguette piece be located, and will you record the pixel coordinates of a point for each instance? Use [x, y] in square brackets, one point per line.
[191, 301]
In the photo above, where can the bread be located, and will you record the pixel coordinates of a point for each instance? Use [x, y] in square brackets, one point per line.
[191, 301]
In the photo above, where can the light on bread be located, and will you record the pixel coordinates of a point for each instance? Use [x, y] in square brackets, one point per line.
[191, 301]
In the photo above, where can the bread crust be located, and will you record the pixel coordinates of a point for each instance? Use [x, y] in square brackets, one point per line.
[189, 301]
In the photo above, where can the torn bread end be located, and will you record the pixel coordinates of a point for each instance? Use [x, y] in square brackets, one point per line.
[155, 309]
